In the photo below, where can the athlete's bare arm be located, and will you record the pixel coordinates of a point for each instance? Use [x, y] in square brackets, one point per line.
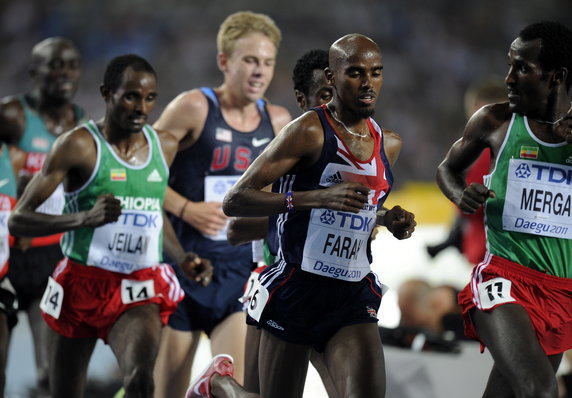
[242, 230]
[71, 160]
[485, 129]
[297, 147]
[400, 222]
[185, 118]
[196, 268]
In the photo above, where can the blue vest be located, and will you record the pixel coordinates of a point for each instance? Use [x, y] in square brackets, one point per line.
[220, 151]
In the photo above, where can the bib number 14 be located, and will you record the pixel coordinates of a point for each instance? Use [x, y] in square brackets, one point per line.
[133, 291]
[53, 298]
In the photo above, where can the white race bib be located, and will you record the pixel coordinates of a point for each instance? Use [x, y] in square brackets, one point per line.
[258, 300]
[538, 199]
[55, 202]
[4, 248]
[53, 298]
[493, 292]
[215, 189]
[249, 289]
[133, 291]
[336, 243]
[129, 244]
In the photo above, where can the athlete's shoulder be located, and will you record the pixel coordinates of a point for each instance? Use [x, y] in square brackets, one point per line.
[391, 144]
[74, 148]
[185, 115]
[306, 125]
[491, 117]
[279, 116]
[191, 100]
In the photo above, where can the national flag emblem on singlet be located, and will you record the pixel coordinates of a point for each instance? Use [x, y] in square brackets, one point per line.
[118, 175]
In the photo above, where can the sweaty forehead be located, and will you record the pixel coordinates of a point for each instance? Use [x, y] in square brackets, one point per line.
[134, 79]
[354, 52]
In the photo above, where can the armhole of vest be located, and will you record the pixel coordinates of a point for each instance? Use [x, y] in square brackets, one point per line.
[324, 124]
[210, 94]
[99, 148]
[382, 155]
[152, 133]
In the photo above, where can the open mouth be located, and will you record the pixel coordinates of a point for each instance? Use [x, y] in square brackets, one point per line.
[367, 99]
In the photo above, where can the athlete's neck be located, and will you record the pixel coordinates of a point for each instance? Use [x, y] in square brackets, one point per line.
[240, 113]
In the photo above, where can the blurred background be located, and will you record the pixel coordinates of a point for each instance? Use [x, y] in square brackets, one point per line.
[433, 50]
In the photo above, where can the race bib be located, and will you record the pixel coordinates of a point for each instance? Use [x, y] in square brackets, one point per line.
[4, 248]
[53, 298]
[55, 202]
[215, 189]
[336, 243]
[493, 292]
[258, 300]
[133, 291]
[249, 288]
[258, 251]
[538, 199]
[129, 244]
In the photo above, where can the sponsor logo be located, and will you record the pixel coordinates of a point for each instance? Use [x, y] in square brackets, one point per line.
[548, 173]
[223, 135]
[335, 178]
[154, 176]
[336, 272]
[139, 203]
[371, 311]
[118, 175]
[522, 171]
[259, 142]
[529, 152]
[328, 217]
[274, 325]
[4, 182]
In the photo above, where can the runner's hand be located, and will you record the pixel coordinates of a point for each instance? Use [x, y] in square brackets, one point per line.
[474, 196]
[196, 268]
[400, 222]
[207, 217]
[107, 209]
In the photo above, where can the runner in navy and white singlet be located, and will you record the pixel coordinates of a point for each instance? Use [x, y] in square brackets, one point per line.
[331, 170]
[311, 90]
[221, 131]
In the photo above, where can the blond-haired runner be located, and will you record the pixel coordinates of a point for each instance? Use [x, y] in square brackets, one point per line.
[221, 131]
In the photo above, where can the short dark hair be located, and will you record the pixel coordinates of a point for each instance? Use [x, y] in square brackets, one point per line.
[114, 71]
[305, 66]
[556, 45]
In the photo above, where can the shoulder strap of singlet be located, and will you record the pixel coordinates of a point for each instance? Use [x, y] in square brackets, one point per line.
[209, 93]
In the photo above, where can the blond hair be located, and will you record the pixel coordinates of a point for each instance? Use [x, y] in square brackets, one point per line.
[242, 23]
